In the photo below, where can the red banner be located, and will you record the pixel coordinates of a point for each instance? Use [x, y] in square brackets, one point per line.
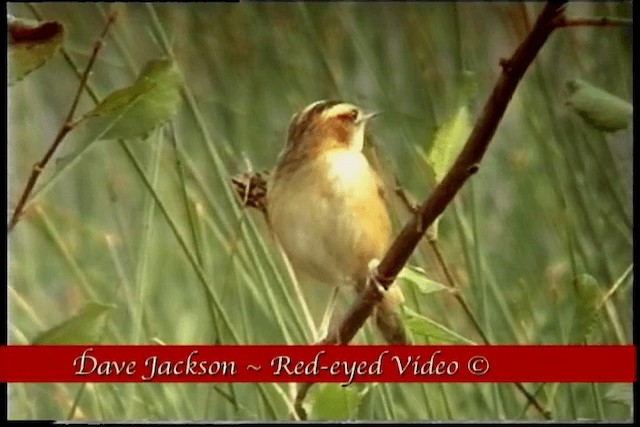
[341, 364]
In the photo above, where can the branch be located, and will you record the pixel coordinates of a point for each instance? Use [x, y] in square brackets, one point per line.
[67, 127]
[405, 198]
[465, 165]
[382, 277]
[451, 283]
[562, 22]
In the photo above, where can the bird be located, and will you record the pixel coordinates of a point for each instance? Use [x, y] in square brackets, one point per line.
[326, 205]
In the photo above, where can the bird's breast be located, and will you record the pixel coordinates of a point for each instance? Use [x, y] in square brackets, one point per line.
[329, 217]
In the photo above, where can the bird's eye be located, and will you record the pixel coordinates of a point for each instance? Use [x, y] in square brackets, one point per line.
[349, 116]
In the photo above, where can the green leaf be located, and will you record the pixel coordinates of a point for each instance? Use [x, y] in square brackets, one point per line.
[117, 102]
[417, 277]
[334, 402]
[447, 144]
[435, 332]
[587, 308]
[31, 44]
[129, 112]
[448, 141]
[83, 328]
[600, 109]
[620, 393]
[136, 110]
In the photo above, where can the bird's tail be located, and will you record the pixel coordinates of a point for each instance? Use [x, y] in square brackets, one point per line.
[388, 318]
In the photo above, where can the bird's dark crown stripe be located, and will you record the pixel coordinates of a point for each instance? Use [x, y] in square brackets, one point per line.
[301, 121]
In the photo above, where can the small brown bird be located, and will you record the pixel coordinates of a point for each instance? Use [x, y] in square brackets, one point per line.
[326, 205]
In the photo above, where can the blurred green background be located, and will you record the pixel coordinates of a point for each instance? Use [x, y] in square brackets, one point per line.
[551, 201]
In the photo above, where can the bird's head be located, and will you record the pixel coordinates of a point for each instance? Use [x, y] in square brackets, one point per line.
[326, 125]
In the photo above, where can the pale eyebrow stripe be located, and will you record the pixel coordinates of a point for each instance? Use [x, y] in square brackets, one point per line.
[336, 109]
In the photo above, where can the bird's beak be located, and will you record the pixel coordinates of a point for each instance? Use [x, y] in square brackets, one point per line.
[367, 116]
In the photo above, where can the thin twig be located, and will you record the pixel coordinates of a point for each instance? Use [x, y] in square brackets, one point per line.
[562, 22]
[413, 207]
[67, 127]
[456, 294]
[452, 284]
[405, 198]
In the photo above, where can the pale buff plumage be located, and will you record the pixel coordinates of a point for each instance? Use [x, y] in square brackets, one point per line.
[326, 207]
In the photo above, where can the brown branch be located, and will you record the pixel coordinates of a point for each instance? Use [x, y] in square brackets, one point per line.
[67, 127]
[485, 339]
[465, 165]
[412, 207]
[563, 22]
[452, 284]
[405, 198]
